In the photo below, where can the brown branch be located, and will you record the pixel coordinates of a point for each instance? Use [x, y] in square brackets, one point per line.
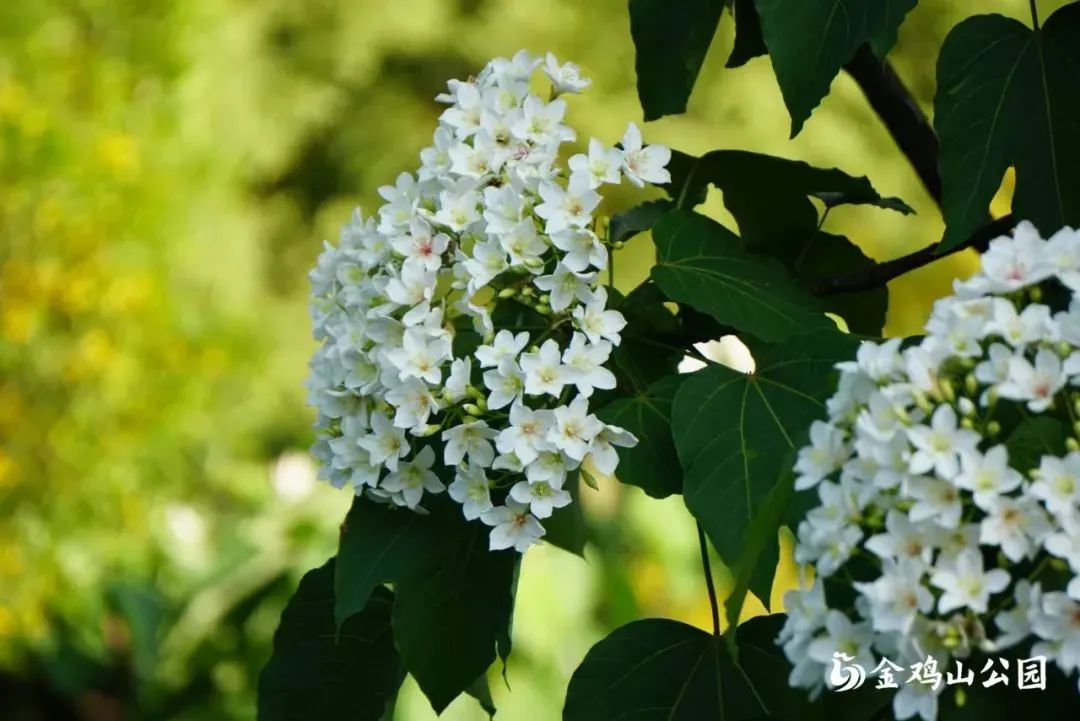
[882, 273]
[903, 117]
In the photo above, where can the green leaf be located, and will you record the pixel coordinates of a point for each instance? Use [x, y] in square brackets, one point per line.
[652, 464]
[810, 40]
[824, 255]
[447, 624]
[756, 565]
[481, 691]
[734, 432]
[748, 41]
[568, 528]
[671, 38]
[1007, 96]
[1033, 438]
[770, 196]
[381, 544]
[702, 264]
[310, 677]
[636, 220]
[651, 345]
[663, 670]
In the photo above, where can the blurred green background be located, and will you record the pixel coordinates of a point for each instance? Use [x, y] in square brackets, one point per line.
[168, 170]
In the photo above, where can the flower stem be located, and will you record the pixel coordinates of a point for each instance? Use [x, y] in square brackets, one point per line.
[1034, 15]
[707, 568]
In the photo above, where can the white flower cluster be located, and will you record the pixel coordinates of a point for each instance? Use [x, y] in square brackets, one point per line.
[931, 537]
[491, 229]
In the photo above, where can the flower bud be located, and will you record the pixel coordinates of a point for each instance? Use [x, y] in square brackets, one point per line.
[545, 298]
[508, 292]
[619, 244]
[472, 409]
[967, 423]
[993, 428]
[1035, 293]
[474, 392]
[971, 386]
[429, 430]
[1072, 444]
[948, 391]
[966, 407]
[534, 263]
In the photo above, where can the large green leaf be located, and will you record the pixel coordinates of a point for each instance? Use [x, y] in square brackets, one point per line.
[663, 670]
[770, 196]
[651, 344]
[702, 264]
[636, 220]
[652, 464]
[447, 625]
[312, 677]
[671, 38]
[748, 41]
[381, 544]
[1007, 96]
[816, 255]
[810, 40]
[735, 431]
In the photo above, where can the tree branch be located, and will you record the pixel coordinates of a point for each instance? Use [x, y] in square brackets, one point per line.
[882, 273]
[903, 117]
[710, 587]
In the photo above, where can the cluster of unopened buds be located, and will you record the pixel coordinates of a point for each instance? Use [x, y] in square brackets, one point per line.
[948, 474]
[464, 327]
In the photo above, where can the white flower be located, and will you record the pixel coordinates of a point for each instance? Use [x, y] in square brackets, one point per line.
[506, 383]
[596, 322]
[472, 490]
[544, 371]
[567, 208]
[457, 381]
[471, 439]
[420, 356]
[966, 584]
[414, 477]
[825, 454]
[602, 164]
[506, 345]
[844, 636]
[1059, 623]
[644, 164]
[987, 475]
[512, 527]
[937, 446]
[414, 403]
[1058, 483]
[574, 429]
[386, 443]
[582, 249]
[541, 497]
[939, 500]
[566, 286]
[898, 595]
[602, 449]
[1017, 525]
[523, 245]
[493, 220]
[586, 363]
[526, 436]
[903, 539]
[564, 78]
[916, 699]
[1035, 383]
